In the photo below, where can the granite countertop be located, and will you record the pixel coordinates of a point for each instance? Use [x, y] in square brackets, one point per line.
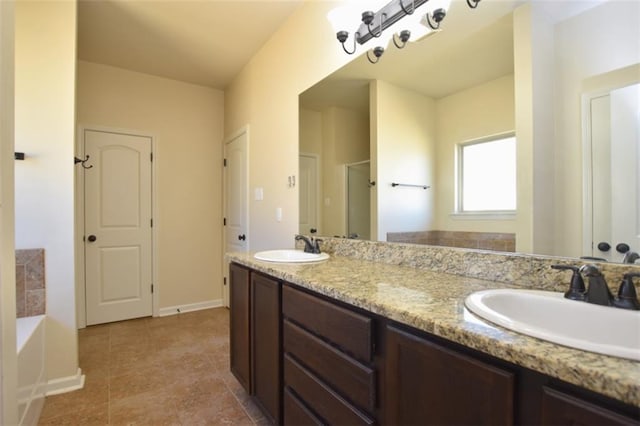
[434, 302]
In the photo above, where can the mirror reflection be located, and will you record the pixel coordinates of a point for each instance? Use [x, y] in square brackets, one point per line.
[497, 71]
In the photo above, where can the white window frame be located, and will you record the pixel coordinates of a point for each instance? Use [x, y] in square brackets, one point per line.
[459, 213]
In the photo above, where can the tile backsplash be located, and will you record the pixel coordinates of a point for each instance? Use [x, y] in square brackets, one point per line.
[30, 283]
[497, 241]
[524, 270]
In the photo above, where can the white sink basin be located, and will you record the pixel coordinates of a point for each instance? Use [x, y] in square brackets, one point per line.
[290, 256]
[549, 316]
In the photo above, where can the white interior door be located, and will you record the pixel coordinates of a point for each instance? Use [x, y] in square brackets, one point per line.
[625, 176]
[615, 139]
[118, 237]
[236, 203]
[308, 194]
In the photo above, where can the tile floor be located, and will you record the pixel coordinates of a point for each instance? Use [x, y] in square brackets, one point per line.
[156, 371]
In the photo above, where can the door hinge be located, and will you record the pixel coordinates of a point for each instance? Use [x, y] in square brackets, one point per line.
[151, 156]
[151, 222]
[151, 288]
[224, 162]
[224, 281]
[224, 221]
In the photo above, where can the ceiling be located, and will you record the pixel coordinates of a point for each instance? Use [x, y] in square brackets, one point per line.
[205, 42]
[208, 42]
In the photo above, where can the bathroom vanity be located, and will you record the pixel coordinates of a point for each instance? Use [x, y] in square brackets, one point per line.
[353, 341]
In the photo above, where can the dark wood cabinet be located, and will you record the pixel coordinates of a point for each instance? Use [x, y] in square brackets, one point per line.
[560, 408]
[307, 359]
[265, 345]
[255, 343]
[327, 354]
[429, 384]
[240, 325]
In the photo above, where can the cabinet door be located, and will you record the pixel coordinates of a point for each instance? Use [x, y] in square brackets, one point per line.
[559, 408]
[240, 325]
[429, 384]
[266, 346]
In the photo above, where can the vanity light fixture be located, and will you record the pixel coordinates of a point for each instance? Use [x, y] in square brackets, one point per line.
[473, 3]
[384, 15]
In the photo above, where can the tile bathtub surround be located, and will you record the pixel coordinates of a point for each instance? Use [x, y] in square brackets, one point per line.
[30, 283]
[475, 240]
[168, 370]
[522, 270]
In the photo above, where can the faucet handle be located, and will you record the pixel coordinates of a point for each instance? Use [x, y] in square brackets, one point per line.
[576, 289]
[590, 270]
[627, 297]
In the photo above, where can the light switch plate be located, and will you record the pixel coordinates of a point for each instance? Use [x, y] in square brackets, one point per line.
[259, 194]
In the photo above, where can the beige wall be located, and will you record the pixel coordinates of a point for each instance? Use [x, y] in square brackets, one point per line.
[481, 111]
[45, 61]
[310, 128]
[533, 69]
[265, 96]
[186, 123]
[8, 358]
[405, 146]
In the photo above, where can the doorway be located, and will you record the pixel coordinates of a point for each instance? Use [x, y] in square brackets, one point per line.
[358, 203]
[308, 195]
[118, 238]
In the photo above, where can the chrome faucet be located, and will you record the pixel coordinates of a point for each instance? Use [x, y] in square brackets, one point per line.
[310, 245]
[598, 291]
[630, 257]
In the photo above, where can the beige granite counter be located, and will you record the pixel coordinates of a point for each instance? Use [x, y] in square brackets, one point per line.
[433, 301]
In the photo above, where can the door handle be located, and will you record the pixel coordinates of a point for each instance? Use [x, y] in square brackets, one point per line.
[92, 238]
[604, 246]
[242, 237]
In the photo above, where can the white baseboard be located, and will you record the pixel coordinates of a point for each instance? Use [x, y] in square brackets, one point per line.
[65, 384]
[181, 309]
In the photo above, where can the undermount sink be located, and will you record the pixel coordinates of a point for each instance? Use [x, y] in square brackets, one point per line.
[549, 316]
[290, 256]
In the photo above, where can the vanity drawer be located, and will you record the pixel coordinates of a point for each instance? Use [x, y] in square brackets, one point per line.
[351, 331]
[341, 372]
[296, 413]
[320, 398]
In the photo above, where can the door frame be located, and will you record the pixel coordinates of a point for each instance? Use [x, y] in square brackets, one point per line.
[346, 193]
[225, 269]
[318, 159]
[81, 302]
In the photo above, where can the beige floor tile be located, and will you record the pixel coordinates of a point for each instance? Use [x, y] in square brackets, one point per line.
[95, 392]
[137, 382]
[97, 415]
[150, 408]
[156, 371]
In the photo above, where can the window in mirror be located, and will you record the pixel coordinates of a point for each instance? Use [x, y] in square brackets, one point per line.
[487, 175]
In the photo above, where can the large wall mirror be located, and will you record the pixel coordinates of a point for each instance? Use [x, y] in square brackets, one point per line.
[380, 145]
